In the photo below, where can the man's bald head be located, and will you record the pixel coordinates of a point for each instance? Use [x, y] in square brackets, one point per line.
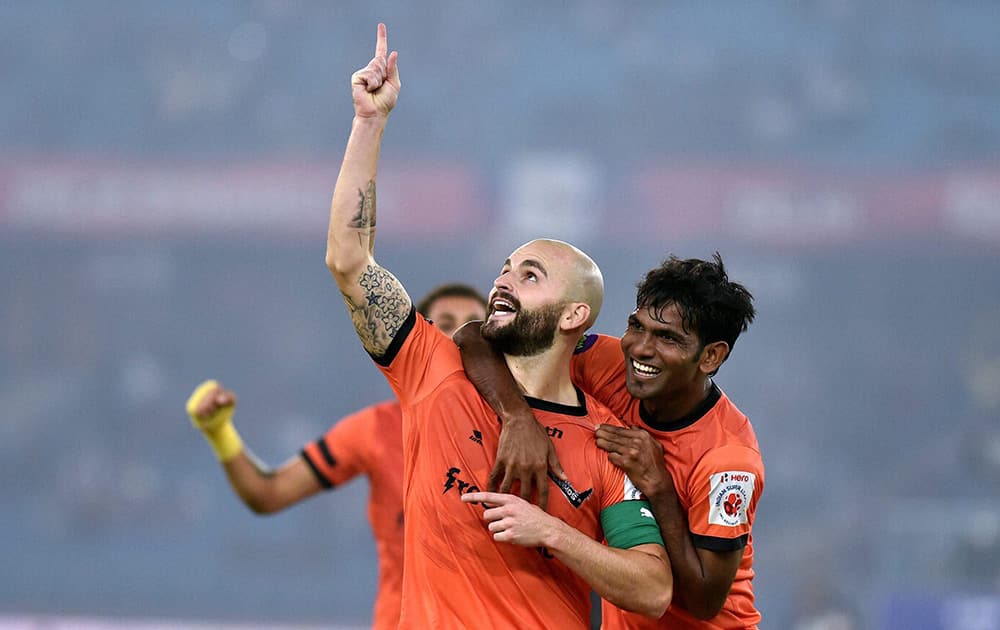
[582, 279]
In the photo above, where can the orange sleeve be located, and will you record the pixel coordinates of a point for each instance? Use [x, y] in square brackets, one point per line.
[614, 482]
[621, 487]
[598, 368]
[616, 485]
[418, 359]
[725, 487]
[345, 450]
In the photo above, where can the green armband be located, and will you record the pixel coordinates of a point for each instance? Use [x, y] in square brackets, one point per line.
[629, 524]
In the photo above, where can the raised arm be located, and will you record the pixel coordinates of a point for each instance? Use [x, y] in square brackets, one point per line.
[263, 490]
[525, 454]
[377, 301]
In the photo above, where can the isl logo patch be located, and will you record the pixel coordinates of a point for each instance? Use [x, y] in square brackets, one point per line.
[729, 497]
[631, 492]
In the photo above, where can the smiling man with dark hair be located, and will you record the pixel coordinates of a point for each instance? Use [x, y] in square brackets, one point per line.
[472, 558]
[688, 448]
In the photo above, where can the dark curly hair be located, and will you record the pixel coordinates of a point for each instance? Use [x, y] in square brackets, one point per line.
[710, 305]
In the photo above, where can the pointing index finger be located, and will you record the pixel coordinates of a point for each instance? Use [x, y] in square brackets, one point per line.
[381, 47]
[493, 498]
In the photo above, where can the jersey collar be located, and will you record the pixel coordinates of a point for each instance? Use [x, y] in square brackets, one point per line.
[566, 410]
[684, 421]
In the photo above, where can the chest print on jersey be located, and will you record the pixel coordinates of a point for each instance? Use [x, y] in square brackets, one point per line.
[452, 480]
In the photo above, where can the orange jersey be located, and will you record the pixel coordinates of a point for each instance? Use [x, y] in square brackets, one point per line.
[454, 574]
[718, 472]
[370, 442]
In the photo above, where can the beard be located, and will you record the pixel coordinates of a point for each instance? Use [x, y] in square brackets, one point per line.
[531, 332]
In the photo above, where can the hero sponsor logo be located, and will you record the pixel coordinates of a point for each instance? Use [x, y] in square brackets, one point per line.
[729, 497]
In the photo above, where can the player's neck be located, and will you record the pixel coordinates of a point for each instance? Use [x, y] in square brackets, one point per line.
[671, 407]
[545, 375]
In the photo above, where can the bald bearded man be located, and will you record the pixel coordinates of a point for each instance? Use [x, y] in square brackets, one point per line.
[523, 567]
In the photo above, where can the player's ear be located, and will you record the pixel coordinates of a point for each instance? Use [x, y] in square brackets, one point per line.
[712, 356]
[574, 315]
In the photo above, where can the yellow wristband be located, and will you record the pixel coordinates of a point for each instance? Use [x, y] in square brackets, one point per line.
[217, 427]
[225, 441]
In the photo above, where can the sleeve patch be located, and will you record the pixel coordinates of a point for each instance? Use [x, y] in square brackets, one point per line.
[631, 492]
[630, 524]
[729, 497]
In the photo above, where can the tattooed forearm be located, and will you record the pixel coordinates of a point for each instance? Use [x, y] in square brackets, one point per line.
[364, 219]
[379, 316]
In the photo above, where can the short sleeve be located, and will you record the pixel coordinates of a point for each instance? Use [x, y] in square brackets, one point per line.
[725, 488]
[419, 358]
[598, 368]
[629, 524]
[626, 518]
[345, 450]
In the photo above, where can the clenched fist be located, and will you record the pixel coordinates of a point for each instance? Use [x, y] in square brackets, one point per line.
[211, 406]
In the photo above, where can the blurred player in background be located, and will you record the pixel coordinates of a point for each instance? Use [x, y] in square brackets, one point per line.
[474, 559]
[367, 442]
[689, 450]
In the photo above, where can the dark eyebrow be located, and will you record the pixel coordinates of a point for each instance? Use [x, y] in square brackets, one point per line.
[662, 328]
[670, 331]
[530, 262]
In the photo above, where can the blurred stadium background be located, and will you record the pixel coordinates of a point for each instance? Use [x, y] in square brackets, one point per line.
[165, 172]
